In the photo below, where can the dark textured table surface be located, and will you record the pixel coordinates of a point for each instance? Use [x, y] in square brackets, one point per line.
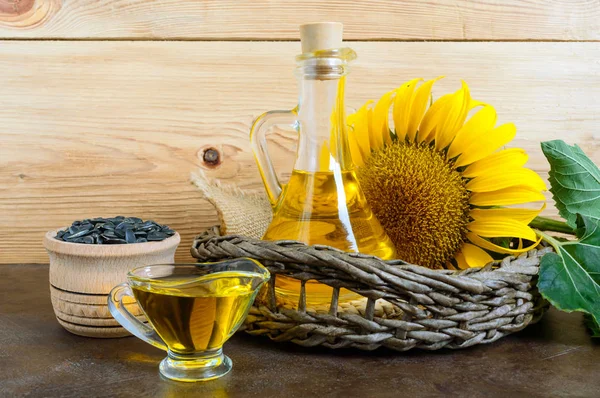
[38, 358]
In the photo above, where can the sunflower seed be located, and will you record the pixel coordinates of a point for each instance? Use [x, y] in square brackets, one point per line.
[78, 234]
[148, 226]
[156, 236]
[115, 241]
[123, 225]
[109, 234]
[129, 236]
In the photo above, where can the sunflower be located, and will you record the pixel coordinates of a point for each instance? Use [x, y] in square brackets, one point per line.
[438, 178]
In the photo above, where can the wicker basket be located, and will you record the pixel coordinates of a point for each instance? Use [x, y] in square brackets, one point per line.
[404, 306]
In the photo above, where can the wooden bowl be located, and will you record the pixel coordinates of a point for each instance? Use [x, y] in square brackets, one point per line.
[81, 276]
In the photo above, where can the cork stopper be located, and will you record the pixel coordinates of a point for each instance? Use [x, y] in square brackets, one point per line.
[321, 36]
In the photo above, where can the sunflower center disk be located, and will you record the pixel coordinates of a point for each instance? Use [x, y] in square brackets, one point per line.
[420, 200]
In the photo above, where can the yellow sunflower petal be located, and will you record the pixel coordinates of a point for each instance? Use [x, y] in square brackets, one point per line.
[504, 178]
[491, 228]
[374, 139]
[461, 262]
[522, 215]
[432, 118]
[380, 129]
[419, 104]
[487, 144]
[504, 159]
[475, 256]
[355, 152]
[456, 114]
[402, 105]
[507, 196]
[359, 123]
[479, 124]
[479, 241]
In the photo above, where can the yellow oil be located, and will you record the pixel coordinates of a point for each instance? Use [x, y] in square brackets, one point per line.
[325, 208]
[192, 318]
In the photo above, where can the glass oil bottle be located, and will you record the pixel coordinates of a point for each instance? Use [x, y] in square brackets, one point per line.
[322, 203]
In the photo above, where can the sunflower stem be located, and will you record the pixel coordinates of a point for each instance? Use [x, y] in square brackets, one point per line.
[550, 240]
[549, 224]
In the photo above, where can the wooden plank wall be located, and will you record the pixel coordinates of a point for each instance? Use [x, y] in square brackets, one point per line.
[107, 106]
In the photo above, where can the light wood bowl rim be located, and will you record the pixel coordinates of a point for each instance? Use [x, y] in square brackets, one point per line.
[102, 251]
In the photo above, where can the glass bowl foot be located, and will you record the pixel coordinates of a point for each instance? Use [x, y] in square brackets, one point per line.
[203, 366]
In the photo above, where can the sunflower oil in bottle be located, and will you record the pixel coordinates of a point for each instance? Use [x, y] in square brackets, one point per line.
[322, 203]
[315, 210]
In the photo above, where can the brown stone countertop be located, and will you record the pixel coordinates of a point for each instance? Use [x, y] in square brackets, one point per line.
[39, 358]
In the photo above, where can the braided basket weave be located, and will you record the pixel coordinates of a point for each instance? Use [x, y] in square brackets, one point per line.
[404, 306]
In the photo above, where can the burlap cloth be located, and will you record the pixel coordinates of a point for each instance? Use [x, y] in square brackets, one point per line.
[247, 213]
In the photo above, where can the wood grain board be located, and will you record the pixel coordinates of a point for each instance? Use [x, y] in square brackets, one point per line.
[268, 20]
[107, 127]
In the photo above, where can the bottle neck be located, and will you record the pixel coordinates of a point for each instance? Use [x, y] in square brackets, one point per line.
[323, 141]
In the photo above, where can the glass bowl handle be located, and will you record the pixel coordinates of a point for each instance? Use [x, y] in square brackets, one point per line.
[130, 322]
[259, 147]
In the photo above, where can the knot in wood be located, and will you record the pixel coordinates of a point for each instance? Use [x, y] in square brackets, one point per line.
[211, 157]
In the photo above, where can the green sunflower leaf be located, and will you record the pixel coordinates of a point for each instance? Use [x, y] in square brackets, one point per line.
[575, 181]
[570, 278]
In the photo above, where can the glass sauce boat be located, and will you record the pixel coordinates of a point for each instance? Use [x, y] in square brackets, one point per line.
[192, 310]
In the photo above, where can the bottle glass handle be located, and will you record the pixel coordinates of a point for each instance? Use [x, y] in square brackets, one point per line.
[258, 141]
[128, 321]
